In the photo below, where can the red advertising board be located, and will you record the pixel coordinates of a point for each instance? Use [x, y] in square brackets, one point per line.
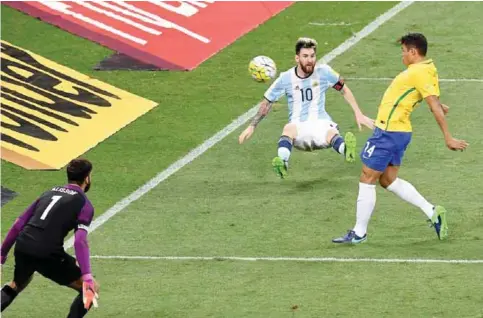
[174, 35]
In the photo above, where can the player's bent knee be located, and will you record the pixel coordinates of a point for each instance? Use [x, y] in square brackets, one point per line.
[369, 175]
[389, 176]
[290, 130]
[331, 133]
[77, 284]
[385, 181]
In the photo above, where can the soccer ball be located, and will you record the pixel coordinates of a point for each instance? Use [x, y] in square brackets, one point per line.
[262, 68]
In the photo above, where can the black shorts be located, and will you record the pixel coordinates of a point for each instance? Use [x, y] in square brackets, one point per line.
[61, 268]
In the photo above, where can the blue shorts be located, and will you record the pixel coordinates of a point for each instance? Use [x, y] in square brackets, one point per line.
[385, 148]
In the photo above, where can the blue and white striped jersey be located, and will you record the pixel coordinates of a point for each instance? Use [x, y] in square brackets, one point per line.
[305, 96]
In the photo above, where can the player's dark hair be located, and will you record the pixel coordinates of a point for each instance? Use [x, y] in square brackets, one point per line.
[305, 43]
[78, 170]
[417, 41]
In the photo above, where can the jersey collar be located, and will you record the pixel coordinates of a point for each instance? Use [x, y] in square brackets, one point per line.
[295, 70]
[428, 61]
[74, 186]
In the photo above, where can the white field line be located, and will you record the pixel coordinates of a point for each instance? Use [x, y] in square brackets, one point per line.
[291, 259]
[368, 29]
[195, 153]
[477, 80]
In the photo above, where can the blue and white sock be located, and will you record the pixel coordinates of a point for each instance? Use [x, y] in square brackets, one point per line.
[338, 144]
[284, 147]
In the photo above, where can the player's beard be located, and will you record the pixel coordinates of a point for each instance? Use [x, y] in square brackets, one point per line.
[88, 186]
[307, 69]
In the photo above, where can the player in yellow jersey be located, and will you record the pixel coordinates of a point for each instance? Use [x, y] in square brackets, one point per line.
[382, 154]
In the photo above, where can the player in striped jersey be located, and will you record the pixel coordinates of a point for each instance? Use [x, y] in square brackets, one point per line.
[309, 125]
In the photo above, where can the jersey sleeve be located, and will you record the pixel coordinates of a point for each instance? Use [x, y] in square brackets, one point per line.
[425, 83]
[82, 253]
[275, 91]
[332, 77]
[16, 229]
[85, 216]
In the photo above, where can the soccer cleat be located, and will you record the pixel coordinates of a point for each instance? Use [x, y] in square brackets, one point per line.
[439, 222]
[350, 238]
[280, 167]
[350, 147]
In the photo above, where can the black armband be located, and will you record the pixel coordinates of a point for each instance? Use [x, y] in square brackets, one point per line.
[339, 85]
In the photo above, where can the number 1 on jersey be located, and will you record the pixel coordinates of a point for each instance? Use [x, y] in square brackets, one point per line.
[55, 198]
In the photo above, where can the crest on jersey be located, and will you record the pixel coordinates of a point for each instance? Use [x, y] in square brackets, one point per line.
[315, 84]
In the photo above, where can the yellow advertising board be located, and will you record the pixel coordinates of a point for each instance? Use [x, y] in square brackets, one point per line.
[51, 114]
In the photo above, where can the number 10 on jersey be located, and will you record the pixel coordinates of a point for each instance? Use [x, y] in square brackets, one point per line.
[307, 94]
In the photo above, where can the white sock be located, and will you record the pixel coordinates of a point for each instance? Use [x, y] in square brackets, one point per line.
[341, 149]
[408, 193]
[366, 201]
[284, 153]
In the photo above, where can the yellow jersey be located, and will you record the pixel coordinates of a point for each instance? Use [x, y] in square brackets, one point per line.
[406, 91]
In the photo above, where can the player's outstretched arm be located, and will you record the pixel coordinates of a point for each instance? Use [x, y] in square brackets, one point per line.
[439, 114]
[82, 255]
[264, 108]
[361, 119]
[15, 230]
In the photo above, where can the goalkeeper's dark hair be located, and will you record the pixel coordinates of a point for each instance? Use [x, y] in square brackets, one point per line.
[305, 43]
[417, 41]
[78, 170]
